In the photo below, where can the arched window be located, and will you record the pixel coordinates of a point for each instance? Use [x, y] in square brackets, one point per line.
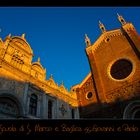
[33, 105]
[50, 109]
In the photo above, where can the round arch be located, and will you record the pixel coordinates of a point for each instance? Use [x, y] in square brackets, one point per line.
[10, 106]
[132, 110]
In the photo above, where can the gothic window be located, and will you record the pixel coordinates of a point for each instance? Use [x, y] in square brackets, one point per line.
[33, 105]
[121, 69]
[50, 109]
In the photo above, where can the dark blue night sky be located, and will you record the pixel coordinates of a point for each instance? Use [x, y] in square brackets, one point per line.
[56, 34]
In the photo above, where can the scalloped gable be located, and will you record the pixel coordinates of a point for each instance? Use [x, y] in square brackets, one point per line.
[23, 43]
[37, 66]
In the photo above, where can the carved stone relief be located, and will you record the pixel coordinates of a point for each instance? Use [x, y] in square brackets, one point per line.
[126, 92]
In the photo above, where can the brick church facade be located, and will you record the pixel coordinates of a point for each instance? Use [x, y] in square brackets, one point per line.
[112, 88]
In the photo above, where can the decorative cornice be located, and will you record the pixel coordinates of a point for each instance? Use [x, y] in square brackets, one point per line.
[84, 81]
[103, 38]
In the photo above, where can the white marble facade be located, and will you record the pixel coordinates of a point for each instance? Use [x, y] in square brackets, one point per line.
[15, 102]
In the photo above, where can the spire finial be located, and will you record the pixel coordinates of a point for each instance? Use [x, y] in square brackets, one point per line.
[7, 39]
[9, 35]
[118, 15]
[121, 19]
[102, 27]
[100, 22]
[45, 70]
[51, 76]
[38, 59]
[62, 83]
[87, 40]
[23, 36]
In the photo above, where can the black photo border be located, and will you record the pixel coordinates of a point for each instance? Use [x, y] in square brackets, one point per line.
[26, 127]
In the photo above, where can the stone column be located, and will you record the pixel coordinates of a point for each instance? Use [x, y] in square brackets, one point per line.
[44, 106]
[57, 108]
[76, 113]
[38, 106]
[26, 99]
[27, 105]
